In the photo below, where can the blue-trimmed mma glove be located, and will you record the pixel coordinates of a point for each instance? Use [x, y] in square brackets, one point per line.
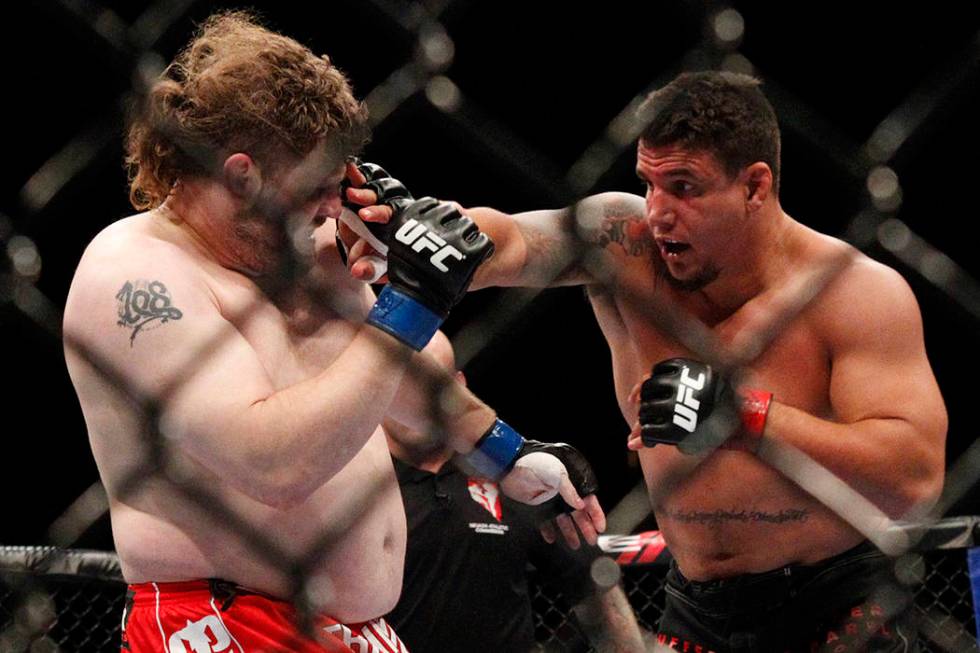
[390, 192]
[688, 404]
[433, 253]
[531, 471]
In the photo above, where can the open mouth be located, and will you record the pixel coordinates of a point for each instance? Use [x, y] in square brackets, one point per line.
[673, 247]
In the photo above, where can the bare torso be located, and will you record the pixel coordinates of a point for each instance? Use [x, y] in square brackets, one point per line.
[729, 513]
[350, 532]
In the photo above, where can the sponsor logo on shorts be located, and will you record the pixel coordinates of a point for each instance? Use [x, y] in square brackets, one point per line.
[207, 635]
[665, 642]
[373, 637]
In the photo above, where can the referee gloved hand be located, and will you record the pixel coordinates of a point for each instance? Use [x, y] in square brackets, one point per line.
[575, 505]
[539, 473]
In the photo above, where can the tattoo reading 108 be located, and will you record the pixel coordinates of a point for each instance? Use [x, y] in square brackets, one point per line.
[141, 303]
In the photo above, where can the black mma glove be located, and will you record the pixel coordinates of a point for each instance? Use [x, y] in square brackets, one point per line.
[390, 192]
[433, 252]
[688, 404]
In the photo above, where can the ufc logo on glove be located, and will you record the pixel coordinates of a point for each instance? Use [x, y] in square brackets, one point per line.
[686, 408]
[415, 234]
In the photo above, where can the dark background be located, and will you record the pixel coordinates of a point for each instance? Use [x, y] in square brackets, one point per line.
[540, 82]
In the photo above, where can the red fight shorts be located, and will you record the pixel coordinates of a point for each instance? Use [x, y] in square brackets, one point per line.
[209, 616]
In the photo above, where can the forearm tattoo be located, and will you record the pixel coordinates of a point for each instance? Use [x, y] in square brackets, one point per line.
[141, 303]
[719, 516]
[551, 257]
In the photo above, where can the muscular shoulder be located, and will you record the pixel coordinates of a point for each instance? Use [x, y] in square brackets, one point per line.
[868, 300]
[617, 242]
[614, 221]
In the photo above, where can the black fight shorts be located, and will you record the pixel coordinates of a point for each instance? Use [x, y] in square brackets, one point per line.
[844, 604]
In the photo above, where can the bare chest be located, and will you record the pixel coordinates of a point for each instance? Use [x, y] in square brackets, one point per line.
[788, 358]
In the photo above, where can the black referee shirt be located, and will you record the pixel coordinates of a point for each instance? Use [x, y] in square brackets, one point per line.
[465, 583]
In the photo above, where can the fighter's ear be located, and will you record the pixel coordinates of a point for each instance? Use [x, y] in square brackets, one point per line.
[757, 180]
[242, 176]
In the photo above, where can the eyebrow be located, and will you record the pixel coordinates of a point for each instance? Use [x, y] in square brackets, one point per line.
[680, 172]
[676, 172]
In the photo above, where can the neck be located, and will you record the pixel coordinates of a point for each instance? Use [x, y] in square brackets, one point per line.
[205, 217]
[758, 261]
[224, 231]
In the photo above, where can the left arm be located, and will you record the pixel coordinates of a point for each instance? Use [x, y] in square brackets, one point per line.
[431, 401]
[887, 438]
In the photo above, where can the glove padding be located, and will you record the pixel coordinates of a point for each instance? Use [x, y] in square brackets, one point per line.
[389, 190]
[433, 253]
[688, 404]
[544, 463]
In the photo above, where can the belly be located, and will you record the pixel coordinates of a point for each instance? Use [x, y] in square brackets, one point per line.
[348, 537]
[731, 514]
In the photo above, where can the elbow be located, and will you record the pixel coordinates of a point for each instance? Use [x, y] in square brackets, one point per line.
[925, 484]
[919, 493]
[921, 496]
[279, 477]
[286, 479]
[282, 464]
[919, 484]
[281, 488]
[282, 493]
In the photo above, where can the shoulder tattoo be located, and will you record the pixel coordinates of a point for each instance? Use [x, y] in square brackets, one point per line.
[621, 224]
[143, 305]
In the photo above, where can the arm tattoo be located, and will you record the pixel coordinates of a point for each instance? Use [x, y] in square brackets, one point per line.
[141, 302]
[620, 224]
[720, 516]
[565, 245]
[554, 258]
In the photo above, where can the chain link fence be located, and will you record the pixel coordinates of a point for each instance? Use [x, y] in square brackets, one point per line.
[944, 607]
[418, 84]
[72, 601]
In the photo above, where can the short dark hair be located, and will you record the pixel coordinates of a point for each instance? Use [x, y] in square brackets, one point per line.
[719, 112]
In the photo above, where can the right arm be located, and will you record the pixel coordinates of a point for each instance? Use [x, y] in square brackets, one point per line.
[570, 246]
[559, 247]
[216, 400]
